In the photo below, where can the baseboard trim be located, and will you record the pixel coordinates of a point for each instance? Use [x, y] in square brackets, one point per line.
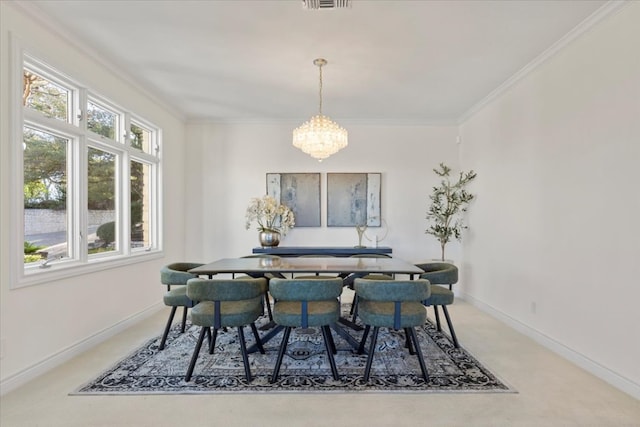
[573, 356]
[20, 378]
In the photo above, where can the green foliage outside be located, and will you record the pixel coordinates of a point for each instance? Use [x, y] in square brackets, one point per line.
[30, 248]
[449, 201]
[107, 233]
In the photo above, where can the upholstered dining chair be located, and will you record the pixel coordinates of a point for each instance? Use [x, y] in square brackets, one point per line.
[304, 303]
[349, 279]
[176, 275]
[267, 258]
[226, 303]
[393, 304]
[441, 274]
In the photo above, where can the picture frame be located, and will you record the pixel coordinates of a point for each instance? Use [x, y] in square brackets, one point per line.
[354, 199]
[300, 192]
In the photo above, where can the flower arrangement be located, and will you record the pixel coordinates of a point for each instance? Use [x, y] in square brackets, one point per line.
[270, 215]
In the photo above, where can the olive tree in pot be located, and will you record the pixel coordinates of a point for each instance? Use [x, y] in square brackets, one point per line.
[449, 201]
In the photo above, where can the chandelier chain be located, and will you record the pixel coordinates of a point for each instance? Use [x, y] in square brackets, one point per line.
[320, 91]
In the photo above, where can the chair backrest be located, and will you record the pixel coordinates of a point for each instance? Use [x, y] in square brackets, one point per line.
[393, 290]
[305, 289]
[225, 289]
[176, 273]
[439, 273]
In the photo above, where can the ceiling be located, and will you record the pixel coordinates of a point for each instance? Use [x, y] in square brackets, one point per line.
[388, 61]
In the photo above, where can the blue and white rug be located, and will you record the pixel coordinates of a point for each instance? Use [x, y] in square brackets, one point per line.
[305, 368]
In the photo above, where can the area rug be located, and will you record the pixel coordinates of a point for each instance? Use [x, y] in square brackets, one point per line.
[305, 368]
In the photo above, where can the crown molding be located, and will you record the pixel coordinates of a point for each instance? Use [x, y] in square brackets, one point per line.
[596, 17]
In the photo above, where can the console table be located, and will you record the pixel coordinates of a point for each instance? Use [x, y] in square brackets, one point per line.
[339, 251]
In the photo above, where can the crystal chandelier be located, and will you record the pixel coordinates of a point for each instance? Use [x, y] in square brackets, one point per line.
[320, 137]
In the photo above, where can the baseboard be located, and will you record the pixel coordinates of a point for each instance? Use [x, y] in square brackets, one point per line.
[16, 380]
[573, 356]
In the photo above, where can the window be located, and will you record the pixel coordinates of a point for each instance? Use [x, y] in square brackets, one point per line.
[88, 173]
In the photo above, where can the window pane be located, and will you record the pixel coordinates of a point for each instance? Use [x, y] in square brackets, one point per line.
[101, 121]
[47, 97]
[101, 198]
[140, 205]
[141, 138]
[45, 195]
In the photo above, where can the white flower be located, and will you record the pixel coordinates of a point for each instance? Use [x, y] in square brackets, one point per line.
[270, 215]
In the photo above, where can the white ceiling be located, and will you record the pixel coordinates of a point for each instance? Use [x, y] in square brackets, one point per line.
[389, 61]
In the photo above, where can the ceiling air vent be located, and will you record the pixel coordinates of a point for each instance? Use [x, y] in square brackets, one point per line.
[326, 4]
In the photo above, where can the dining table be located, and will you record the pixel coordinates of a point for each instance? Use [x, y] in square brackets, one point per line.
[312, 265]
[280, 266]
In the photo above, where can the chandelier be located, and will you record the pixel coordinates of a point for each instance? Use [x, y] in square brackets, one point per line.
[320, 137]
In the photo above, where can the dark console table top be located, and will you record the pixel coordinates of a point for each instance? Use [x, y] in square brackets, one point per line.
[340, 251]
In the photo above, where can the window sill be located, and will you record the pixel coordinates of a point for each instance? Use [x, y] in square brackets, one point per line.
[62, 270]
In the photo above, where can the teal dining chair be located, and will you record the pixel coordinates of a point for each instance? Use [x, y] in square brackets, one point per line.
[304, 303]
[441, 274]
[393, 304]
[226, 303]
[175, 277]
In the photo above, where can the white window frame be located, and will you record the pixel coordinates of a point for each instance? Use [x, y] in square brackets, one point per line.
[81, 138]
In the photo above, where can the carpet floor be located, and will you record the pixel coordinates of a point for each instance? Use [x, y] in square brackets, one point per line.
[305, 367]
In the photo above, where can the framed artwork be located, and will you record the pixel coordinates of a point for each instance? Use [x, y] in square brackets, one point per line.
[300, 192]
[353, 199]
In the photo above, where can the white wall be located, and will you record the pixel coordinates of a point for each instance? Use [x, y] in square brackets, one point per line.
[229, 163]
[555, 242]
[44, 324]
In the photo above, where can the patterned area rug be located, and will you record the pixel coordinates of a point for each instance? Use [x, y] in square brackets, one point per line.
[305, 368]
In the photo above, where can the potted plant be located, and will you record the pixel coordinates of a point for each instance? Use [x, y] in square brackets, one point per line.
[273, 218]
[449, 201]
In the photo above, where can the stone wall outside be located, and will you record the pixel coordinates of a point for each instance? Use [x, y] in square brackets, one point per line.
[37, 221]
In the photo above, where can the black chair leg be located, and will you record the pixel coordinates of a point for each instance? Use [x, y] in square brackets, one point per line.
[268, 303]
[167, 328]
[212, 341]
[283, 348]
[364, 339]
[423, 366]
[257, 337]
[453, 333]
[194, 358]
[408, 343]
[372, 348]
[245, 355]
[184, 318]
[354, 309]
[334, 350]
[438, 325]
[326, 333]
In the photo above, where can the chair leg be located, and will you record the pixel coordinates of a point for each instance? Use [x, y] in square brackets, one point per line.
[245, 355]
[257, 337]
[283, 348]
[353, 304]
[196, 351]
[372, 348]
[423, 366]
[354, 309]
[326, 333]
[364, 339]
[268, 303]
[453, 333]
[184, 318]
[438, 325]
[165, 334]
[334, 350]
[408, 344]
[212, 342]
